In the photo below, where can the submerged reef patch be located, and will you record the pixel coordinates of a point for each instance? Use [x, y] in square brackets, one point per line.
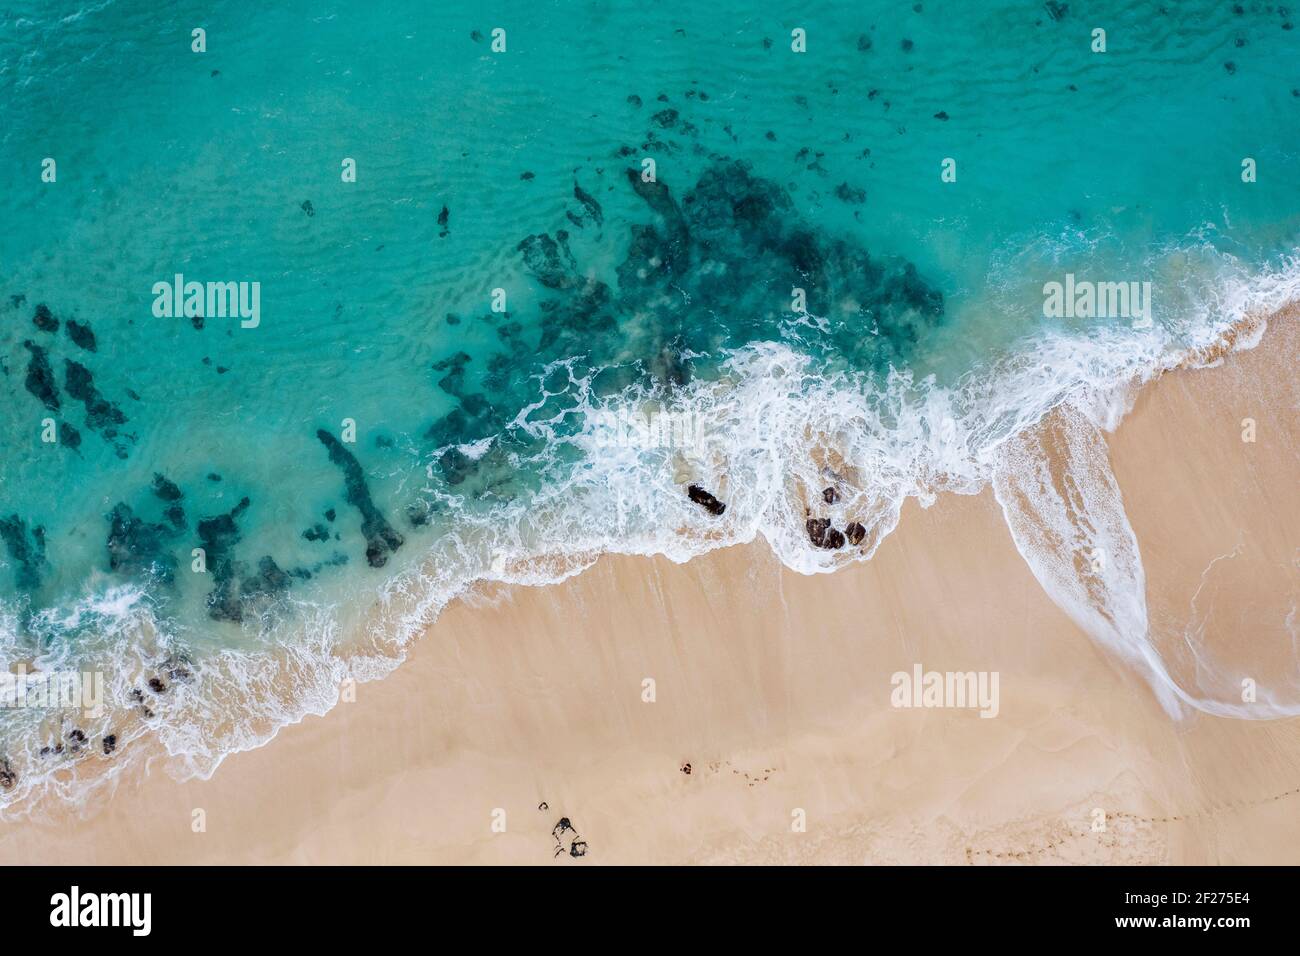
[26, 550]
[381, 538]
[727, 262]
[40, 377]
[102, 416]
[136, 546]
[219, 535]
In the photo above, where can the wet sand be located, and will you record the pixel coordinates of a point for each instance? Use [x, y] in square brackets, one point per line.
[775, 689]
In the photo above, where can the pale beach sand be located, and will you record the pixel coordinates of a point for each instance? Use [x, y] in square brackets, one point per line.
[775, 688]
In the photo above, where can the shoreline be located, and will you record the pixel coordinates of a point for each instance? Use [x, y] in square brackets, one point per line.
[774, 687]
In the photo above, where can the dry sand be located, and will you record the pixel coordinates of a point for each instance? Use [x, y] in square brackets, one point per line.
[775, 689]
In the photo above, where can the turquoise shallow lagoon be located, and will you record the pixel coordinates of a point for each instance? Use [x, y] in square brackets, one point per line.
[843, 246]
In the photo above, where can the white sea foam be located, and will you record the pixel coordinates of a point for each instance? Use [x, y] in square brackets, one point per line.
[776, 430]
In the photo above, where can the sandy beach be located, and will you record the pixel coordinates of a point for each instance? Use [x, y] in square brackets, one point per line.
[771, 736]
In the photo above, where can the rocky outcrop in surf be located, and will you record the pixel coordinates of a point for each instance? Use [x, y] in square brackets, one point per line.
[706, 500]
[823, 535]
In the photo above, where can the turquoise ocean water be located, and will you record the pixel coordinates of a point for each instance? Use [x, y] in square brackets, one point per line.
[453, 351]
